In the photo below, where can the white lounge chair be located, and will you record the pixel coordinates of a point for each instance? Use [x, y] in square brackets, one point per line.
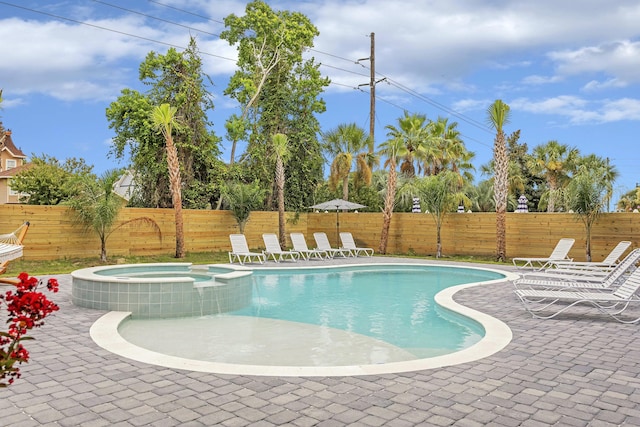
[348, 243]
[559, 253]
[240, 250]
[273, 249]
[300, 245]
[606, 264]
[581, 281]
[612, 304]
[322, 241]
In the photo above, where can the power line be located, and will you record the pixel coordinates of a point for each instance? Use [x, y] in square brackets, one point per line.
[111, 30]
[185, 11]
[156, 18]
[388, 79]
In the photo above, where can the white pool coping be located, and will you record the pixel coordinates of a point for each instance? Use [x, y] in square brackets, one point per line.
[104, 332]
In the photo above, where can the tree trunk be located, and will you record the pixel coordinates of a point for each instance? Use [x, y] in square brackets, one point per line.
[280, 178]
[103, 249]
[501, 238]
[345, 187]
[553, 185]
[588, 247]
[387, 212]
[500, 192]
[176, 194]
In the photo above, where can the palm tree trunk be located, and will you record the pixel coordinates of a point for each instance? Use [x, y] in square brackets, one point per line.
[501, 238]
[553, 185]
[387, 212]
[280, 178]
[501, 189]
[176, 194]
[345, 187]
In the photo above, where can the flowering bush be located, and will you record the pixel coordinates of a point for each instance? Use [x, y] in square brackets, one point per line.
[27, 309]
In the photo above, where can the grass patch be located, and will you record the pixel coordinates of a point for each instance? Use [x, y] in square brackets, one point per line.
[66, 266]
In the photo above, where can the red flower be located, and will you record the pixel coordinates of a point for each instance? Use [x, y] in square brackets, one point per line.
[27, 309]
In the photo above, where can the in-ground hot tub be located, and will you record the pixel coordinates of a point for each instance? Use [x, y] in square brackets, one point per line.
[161, 290]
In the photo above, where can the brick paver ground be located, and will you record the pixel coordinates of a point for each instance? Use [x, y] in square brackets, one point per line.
[580, 369]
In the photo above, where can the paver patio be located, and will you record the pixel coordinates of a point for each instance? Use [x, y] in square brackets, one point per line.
[579, 369]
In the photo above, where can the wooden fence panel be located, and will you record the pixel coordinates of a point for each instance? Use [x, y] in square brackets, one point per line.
[54, 234]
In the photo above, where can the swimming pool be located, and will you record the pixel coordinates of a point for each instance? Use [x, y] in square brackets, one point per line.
[330, 319]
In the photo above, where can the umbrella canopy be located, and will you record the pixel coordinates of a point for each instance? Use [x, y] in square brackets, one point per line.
[337, 205]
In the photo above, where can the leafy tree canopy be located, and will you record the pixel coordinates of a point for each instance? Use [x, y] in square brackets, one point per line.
[50, 182]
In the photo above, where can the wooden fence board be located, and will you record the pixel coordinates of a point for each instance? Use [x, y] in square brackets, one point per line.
[54, 235]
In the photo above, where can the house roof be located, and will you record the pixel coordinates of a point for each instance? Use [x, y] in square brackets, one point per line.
[6, 143]
[10, 173]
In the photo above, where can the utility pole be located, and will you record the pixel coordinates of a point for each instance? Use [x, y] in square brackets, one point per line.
[372, 96]
[372, 99]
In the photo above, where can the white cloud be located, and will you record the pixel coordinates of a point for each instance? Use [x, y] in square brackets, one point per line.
[620, 59]
[430, 47]
[540, 80]
[595, 85]
[582, 111]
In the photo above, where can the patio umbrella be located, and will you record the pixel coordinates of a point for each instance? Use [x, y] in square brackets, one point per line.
[337, 205]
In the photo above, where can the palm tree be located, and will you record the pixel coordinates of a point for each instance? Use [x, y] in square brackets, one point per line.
[97, 206]
[554, 161]
[164, 120]
[236, 131]
[498, 116]
[392, 149]
[282, 154]
[344, 144]
[608, 172]
[242, 199]
[586, 196]
[413, 129]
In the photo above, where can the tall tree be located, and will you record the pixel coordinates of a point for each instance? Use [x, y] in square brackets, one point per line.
[345, 143]
[554, 162]
[497, 116]
[278, 92]
[392, 149]
[282, 153]
[164, 120]
[267, 41]
[175, 78]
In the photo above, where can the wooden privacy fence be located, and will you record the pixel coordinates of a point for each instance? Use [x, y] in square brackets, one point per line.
[54, 234]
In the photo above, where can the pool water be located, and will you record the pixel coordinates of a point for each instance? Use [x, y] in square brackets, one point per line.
[324, 317]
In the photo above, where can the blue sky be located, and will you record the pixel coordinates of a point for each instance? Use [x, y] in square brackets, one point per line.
[569, 73]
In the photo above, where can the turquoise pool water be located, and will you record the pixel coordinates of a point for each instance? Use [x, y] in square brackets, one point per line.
[343, 315]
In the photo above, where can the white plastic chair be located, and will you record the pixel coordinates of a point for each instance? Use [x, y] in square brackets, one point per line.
[348, 243]
[606, 264]
[567, 280]
[240, 250]
[612, 304]
[322, 241]
[274, 250]
[300, 245]
[559, 253]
